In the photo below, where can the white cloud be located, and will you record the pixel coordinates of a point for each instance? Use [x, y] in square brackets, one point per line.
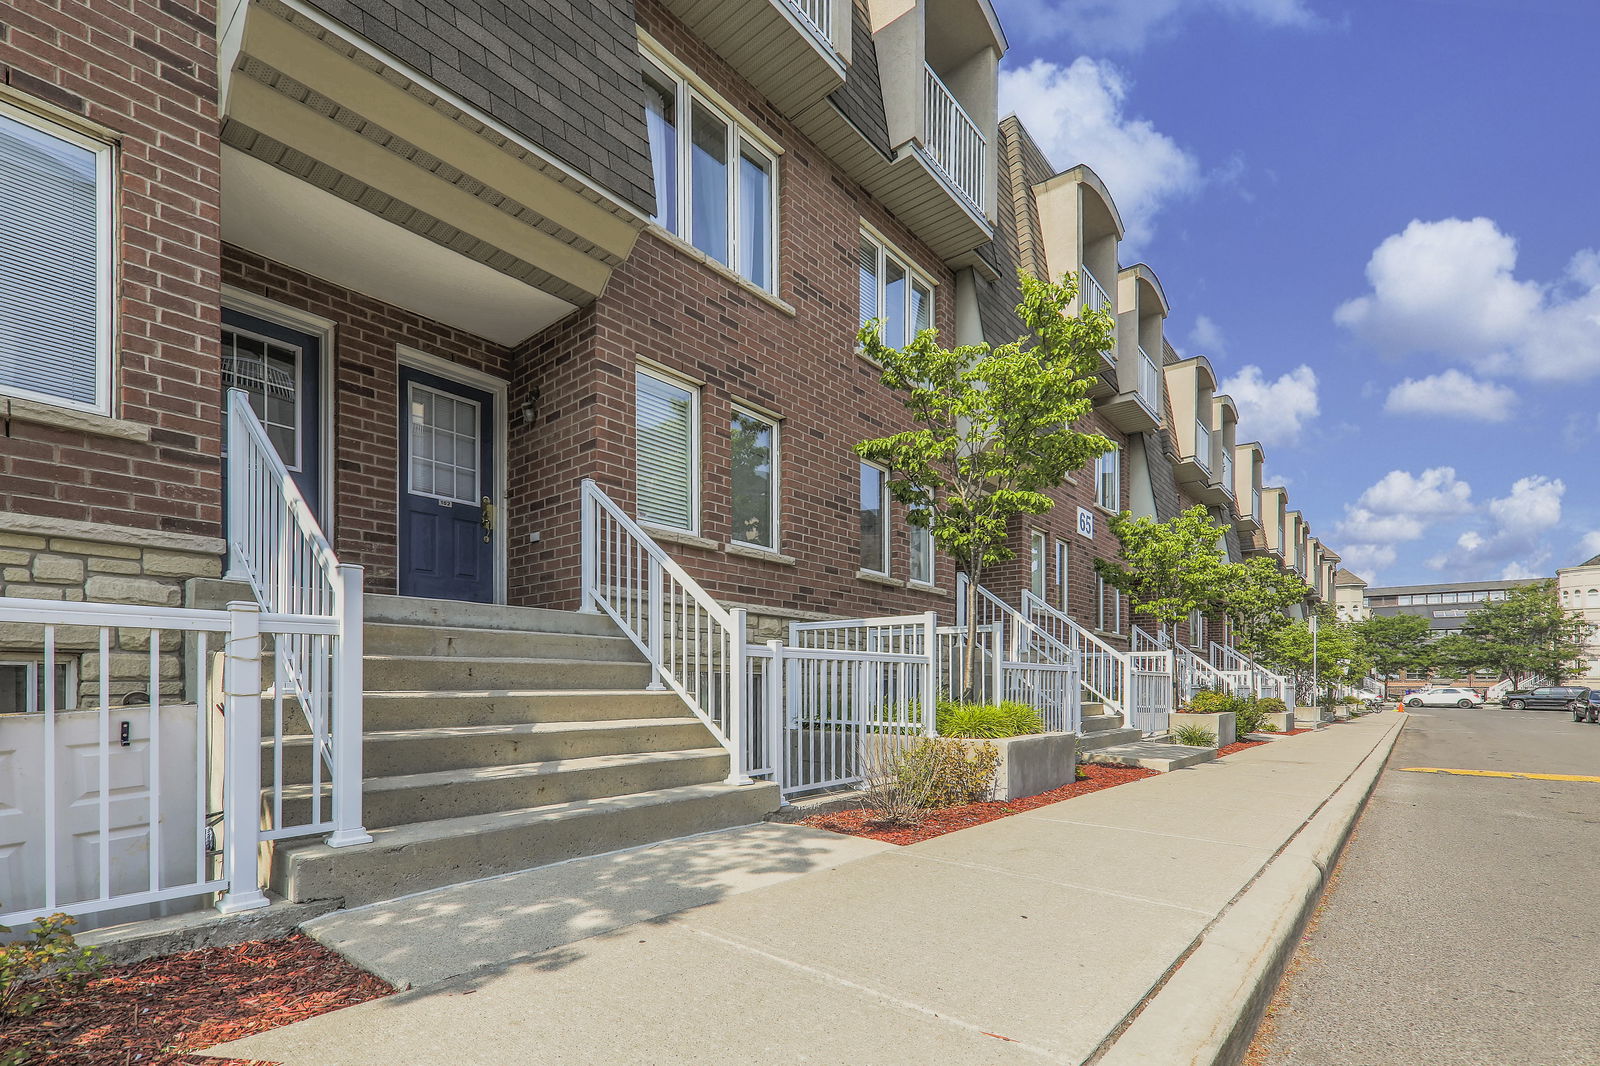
[1206, 337]
[1590, 544]
[1127, 25]
[1449, 288]
[1398, 508]
[1514, 537]
[1076, 114]
[1451, 394]
[1514, 571]
[1274, 412]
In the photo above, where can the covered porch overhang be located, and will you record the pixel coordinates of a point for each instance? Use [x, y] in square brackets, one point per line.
[339, 162]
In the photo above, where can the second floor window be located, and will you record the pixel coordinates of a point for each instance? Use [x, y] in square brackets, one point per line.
[715, 183]
[755, 480]
[892, 292]
[874, 520]
[921, 538]
[1108, 480]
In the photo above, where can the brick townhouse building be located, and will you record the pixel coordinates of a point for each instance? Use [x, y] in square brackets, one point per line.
[459, 256]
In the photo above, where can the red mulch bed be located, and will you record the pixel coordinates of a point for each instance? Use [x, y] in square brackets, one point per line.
[1240, 745]
[856, 822]
[154, 1012]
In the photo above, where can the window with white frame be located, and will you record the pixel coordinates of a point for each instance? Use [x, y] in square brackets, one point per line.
[716, 185]
[754, 446]
[1108, 480]
[921, 554]
[1197, 629]
[1037, 561]
[874, 519]
[1063, 573]
[667, 435]
[22, 683]
[55, 263]
[1110, 608]
[894, 293]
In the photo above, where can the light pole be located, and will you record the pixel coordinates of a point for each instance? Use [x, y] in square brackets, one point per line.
[1314, 661]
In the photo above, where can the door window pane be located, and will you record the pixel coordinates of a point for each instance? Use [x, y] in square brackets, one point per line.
[755, 217]
[667, 463]
[661, 116]
[874, 525]
[269, 373]
[445, 447]
[709, 188]
[755, 475]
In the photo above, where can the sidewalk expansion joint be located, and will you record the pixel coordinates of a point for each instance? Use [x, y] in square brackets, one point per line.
[1064, 884]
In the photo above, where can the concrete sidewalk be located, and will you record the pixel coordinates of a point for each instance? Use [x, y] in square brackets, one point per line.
[1143, 924]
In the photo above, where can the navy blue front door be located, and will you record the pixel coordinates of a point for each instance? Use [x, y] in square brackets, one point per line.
[447, 479]
[281, 370]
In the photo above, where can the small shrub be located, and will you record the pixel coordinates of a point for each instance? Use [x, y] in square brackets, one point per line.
[956, 772]
[895, 789]
[1197, 736]
[33, 973]
[978, 721]
[1250, 717]
[1272, 705]
[1205, 701]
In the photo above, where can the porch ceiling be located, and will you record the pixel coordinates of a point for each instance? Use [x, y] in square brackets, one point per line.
[310, 103]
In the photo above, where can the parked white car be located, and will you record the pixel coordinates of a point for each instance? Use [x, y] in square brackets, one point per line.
[1444, 697]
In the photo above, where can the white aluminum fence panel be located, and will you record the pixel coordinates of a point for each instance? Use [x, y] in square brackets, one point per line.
[1150, 690]
[1019, 660]
[696, 647]
[1103, 670]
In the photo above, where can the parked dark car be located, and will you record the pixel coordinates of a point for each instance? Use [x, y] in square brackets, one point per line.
[1552, 698]
[1591, 713]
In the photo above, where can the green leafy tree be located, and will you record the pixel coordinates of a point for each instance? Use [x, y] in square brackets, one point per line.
[1396, 642]
[994, 428]
[1168, 569]
[1254, 595]
[1456, 655]
[1332, 657]
[1528, 634]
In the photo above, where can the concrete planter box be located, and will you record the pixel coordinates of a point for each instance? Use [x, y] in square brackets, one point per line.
[1034, 764]
[1282, 721]
[1311, 714]
[1224, 726]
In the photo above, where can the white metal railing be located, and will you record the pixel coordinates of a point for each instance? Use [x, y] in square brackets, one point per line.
[953, 139]
[819, 13]
[1195, 673]
[1093, 296]
[1255, 507]
[1023, 662]
[141, 771]
[1263, 682]
[1103, 670]
[695, 646]
[840, 691]
[1149, 690]
[276, 544]
[1144, 640]
[1227, 471]
[1202, 444]
[1149, 383]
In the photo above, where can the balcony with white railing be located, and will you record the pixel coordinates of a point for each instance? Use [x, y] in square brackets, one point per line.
[1202, 444]
[1227, 471]
[818, 13]
[1255, 505]
[786, 48]
[1093, 296]
[953, 140]
[1149, 383]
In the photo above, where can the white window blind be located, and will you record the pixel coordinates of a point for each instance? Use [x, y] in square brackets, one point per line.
[55, 210]
[666, 419]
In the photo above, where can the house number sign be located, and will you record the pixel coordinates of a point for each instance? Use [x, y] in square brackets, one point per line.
[1086, 522]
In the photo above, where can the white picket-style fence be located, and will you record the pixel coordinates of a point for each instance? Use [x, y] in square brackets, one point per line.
[1149, 690]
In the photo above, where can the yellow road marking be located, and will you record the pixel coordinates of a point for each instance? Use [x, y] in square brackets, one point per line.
[1498, 773]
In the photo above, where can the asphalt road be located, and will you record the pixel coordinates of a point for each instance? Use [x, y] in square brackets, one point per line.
[1464, 926]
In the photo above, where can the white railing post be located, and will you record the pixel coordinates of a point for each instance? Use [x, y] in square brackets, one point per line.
[777, 739]
[738, 667]
[346, 727]
[241, 816]
[930, 688]
[658, 623]
[588, 541]
[233, 503]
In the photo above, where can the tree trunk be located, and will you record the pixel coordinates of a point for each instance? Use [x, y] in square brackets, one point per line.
[970, 648]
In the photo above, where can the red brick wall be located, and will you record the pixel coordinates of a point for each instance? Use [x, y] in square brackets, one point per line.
[145, 70]
[366, 397]
[670, 308]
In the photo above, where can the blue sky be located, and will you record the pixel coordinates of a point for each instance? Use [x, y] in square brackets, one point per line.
[1380, 220]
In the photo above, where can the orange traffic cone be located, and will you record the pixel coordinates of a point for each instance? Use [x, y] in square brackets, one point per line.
[1400, 708]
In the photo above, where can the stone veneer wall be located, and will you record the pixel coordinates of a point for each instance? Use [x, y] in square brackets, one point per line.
[56, 559]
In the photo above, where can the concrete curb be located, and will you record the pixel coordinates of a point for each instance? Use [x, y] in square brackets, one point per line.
[1207, 1011]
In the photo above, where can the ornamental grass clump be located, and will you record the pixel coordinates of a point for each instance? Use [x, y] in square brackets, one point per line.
[1195, 736]
[904, 780]
[989, 721]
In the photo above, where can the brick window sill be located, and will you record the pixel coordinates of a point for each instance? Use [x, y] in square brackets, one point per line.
[766, 555]
[15, 409]
[678, 536]
[880, 579]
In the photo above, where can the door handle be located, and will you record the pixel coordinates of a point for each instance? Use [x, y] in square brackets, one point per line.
[488, 520]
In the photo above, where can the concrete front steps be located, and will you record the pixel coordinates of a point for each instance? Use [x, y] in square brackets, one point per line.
[1105, 741]
[500, 739]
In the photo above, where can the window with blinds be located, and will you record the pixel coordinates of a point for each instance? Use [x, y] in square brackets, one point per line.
[893, 293]
[1108, 480]
[55, 263]
[666, 426]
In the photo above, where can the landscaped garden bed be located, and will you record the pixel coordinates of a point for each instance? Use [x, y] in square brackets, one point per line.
[860, 821]
[154, 1013]
[1240, 745]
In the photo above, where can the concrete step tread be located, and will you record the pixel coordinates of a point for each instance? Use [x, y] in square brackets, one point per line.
[416, 833]
[514, 693]
[499, 660]
[441, 732]
[1093, 723]
[1150, 753]
[403, 610]
[435, 778]
[1106, 738]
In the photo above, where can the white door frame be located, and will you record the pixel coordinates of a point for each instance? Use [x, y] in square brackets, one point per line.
[496, 387]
